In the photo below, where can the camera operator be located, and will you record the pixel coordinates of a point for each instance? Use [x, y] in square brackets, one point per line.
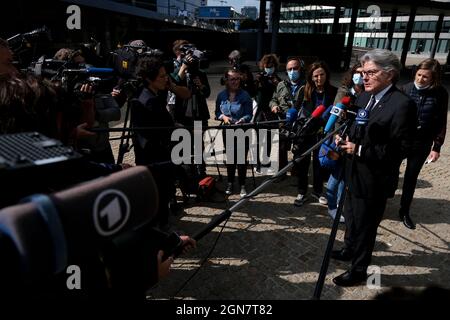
[248, 82]
[99, 110]
[289, 93]
[373, 152]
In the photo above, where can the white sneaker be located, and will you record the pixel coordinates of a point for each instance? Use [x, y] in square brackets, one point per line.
[243, 192]
[300, 200]
[229, 189]
[320, 198]
[332, 213]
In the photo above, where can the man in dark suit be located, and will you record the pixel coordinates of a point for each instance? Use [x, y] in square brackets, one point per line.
[373, 152]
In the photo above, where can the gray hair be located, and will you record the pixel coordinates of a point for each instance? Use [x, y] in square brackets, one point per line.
[386, 60]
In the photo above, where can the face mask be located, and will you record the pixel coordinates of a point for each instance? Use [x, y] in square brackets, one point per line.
[420, 87]
[293, 75]
[357, 79]
[269, 71]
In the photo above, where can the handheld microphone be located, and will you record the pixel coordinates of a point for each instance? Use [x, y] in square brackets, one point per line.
[362, 117]
[336, 113]
[291, 116]
[317, 113]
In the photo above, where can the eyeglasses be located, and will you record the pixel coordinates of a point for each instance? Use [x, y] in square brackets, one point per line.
[370, 73]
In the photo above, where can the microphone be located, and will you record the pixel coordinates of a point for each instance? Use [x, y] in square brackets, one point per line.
[336, 113]
[361, 119]
[291, 116]
[91, 70]
[317, 113]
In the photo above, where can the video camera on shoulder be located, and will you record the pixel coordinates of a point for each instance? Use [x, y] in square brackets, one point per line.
[23, 45]
[72, 75]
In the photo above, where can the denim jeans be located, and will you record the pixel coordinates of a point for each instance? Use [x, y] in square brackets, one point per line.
[335, 187]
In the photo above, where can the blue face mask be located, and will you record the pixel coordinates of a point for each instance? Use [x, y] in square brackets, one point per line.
[357, 79]
[293, 75]
[269, 71]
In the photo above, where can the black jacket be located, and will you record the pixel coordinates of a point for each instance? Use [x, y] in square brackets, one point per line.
[149, 110]
[385, 141]
[432, 106]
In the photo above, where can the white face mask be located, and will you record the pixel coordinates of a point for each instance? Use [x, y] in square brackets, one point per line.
[420, 87]
[269, 71]
[357, 79]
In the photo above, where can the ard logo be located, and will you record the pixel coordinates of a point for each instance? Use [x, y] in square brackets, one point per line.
[111, 212]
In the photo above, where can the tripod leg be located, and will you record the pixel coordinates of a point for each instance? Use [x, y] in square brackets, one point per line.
[214, 152]
[124, 146]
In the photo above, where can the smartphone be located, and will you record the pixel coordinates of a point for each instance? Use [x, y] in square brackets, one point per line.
[171, 245]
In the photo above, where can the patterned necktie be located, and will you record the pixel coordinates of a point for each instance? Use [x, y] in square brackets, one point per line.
[371, 104]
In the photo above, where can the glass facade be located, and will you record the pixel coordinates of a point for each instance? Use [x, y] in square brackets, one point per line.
[296, 18]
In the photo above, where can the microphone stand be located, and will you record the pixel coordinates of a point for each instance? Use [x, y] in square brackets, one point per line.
[227, 213]
[326, 257]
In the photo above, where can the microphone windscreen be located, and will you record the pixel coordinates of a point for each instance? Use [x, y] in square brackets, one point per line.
[105, 207]
[346, 101]
[92, 70]
[291, 115]
[319, 111]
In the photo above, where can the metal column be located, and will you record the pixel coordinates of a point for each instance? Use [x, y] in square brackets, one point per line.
[276, 9]
[436, 35]
[388, 45]
[409, 28]
[262, 23]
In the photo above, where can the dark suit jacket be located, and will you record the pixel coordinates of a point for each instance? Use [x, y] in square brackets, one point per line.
[385, 141]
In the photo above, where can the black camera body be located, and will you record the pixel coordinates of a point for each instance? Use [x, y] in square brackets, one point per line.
[72, 75]
[125, 59]
[198, 58]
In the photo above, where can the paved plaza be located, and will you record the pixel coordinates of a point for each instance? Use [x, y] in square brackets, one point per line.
[270, 249]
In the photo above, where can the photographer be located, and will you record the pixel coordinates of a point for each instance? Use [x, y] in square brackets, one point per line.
[188, 73]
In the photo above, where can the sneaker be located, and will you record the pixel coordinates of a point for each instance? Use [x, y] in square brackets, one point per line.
[320, 198]
[243, 192]
[229, 189]
[258, 170]
[332, 214]
[300, 200]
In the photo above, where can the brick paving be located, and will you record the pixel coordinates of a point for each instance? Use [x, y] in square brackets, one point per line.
[270, 249]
